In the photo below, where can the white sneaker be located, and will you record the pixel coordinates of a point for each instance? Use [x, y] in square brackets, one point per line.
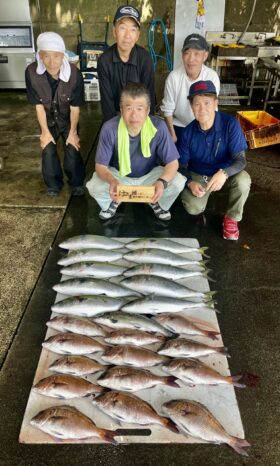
[159, 212]
[110, 212]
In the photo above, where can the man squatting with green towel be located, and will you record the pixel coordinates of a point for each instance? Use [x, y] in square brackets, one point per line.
[136, 149]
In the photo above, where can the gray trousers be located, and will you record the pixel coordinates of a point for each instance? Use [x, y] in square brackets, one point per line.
[238, 187]
[99, 190]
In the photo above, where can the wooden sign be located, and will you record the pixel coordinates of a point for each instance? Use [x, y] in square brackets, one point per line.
[135, 193]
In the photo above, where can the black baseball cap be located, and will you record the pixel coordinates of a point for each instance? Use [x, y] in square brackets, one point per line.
[195, 41]
[202, 88]
[127, 11]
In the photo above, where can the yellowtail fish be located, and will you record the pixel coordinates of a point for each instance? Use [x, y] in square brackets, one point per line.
[90, 255]
[164, 244]
[91, 241]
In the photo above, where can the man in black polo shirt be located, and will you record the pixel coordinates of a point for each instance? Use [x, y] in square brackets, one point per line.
[56, 88]
[124, 62]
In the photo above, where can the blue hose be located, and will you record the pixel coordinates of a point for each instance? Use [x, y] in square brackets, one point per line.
[151, 40]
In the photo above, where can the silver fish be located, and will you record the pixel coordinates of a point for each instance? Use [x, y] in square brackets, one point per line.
[129, 379]
[87, 286]
[65, 387]
[91, 241]
[132, 356]
[128, 408]
[90, 255]
[92, 269]
[193, 372]
[87, 306]
[157, 256]
[120, 320]
[76, 365]
[192, 418]
[157, 304]
[181, 347]
[79, 325]
[67, 423]
[133, 337]
[150, 284]
[183, 326]
[70, 343]
[163, 244]
[167, 271]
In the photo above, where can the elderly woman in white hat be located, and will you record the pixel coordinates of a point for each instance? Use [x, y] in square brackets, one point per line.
[56, 88]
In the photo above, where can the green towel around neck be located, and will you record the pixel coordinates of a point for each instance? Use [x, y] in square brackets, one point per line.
[148, 131]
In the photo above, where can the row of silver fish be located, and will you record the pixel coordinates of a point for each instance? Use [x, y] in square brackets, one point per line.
[139, 256]
[101, 242]
[108, 270]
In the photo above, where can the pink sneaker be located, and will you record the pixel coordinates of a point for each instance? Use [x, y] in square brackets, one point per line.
[230, 229]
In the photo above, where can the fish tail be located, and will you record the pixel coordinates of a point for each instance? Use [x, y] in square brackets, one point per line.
[202, 251]
[235, 380]
[171, 381]
[203, 263]
[211, 334]
[170, 425]
[206, 275]
[108, 436]
[238, 444]
[223, 350]
[210, 294]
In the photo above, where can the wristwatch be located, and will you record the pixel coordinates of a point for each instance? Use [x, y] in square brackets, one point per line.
[164, 182]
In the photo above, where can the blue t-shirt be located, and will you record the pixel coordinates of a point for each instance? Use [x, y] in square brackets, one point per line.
[205, 152]
[163, 149]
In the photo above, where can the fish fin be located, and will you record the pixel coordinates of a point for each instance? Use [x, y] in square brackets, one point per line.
[238, 444]
[211, 334]
[171, 381]
[108, 436]
[206, 275]
[170, 425]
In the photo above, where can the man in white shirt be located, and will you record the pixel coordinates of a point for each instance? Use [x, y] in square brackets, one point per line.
[175, 105]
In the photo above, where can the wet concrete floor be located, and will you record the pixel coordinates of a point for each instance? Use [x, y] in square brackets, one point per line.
[247, 282]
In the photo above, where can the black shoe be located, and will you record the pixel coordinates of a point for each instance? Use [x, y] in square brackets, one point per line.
[201, 220]
[78, 191]
[52, 192]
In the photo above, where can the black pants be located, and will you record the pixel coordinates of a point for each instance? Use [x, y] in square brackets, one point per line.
[73, 163]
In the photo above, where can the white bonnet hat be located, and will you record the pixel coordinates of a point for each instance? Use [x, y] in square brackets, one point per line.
[53, 42]
[50, 41]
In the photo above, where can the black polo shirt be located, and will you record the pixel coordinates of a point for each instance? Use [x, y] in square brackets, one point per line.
[114, 74]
